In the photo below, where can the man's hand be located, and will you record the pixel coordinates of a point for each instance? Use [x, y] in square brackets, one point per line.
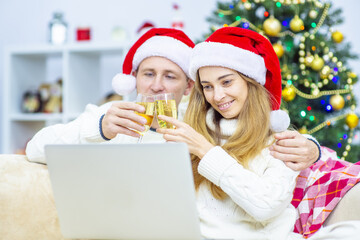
[295, 150]
[121, 118]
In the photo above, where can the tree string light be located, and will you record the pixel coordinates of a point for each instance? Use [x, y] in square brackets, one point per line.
[320, 94]
[281, 34]
[325, 123]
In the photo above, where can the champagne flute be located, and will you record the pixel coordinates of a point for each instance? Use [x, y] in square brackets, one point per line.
[148, 102]
[165, 104]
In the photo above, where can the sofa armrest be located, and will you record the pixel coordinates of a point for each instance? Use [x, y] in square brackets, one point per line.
[27, 209]
[347, 209]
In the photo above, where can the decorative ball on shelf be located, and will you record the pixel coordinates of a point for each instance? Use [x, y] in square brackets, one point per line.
[303, 130]
[317, 63]
[325, 72]
[352, 120]
[288, 94]
[296, 24]
[272, 26]
[309, 59]
[337, 36]
[313, 14]
[279, 49]
[337, 102]
[31, 102]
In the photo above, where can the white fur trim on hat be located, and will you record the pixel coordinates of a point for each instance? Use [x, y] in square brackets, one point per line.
[123, 84]
[279, 120]
[167, 47]
[229, 56]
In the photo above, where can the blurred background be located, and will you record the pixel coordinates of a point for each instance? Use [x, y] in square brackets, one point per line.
[26, 25]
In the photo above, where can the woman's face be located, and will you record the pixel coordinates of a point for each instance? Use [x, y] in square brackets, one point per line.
[224, 89]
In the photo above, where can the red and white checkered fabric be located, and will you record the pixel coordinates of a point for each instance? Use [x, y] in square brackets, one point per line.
[319, 189]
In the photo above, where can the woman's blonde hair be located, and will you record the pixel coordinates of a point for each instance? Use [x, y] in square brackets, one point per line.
[251, 136]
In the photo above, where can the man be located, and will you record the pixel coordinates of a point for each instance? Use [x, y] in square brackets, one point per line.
[156, 63]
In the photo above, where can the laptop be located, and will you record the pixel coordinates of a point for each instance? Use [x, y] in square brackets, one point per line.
[124, 191]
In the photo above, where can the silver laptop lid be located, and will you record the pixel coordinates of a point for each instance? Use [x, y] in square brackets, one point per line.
[126, 191]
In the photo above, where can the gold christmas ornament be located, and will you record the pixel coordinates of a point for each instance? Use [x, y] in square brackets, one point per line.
[325, 71]
[272, 26]
[313, 14]
[337, 102]
[352, 75]
[337, 36]
[309, 59]
[317, 63]
[288, 94]
[352, 120]
[303, 130]
[279, 49]
[296, 24]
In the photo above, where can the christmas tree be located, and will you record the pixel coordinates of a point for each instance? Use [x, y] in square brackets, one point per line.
[317, 83]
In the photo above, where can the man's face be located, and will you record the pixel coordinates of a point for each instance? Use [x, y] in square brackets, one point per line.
[159, 75]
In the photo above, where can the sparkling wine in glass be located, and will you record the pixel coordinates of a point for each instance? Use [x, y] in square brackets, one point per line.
[165, 104]
[148, 102]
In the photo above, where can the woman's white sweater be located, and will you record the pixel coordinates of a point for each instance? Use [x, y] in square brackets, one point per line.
[258, 206]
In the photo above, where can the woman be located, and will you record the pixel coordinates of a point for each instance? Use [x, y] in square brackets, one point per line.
[243, 192]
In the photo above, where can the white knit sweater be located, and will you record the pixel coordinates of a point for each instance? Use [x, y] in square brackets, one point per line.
[258, 206]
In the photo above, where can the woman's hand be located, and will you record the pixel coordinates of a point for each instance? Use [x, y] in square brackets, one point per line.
[196, 142]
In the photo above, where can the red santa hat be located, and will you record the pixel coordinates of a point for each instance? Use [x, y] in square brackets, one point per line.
[169, 43]
[249, 53]
[146, 26]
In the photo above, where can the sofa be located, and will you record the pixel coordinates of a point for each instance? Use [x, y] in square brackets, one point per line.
[29, 211]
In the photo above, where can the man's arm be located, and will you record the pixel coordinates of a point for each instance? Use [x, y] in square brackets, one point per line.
[297, 151]
[84, 129]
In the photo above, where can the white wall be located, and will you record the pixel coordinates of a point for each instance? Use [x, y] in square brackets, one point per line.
[25, 22]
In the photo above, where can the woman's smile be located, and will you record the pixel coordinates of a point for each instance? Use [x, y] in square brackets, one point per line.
[225, 106]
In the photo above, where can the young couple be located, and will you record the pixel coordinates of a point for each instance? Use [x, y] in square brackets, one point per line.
[245, 163]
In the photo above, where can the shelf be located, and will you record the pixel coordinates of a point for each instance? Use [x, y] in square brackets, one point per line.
[109, 48]
[36, 117]
[85, 68]
[102, 48]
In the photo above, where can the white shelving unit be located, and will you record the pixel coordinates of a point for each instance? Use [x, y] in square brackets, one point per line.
[81, 67]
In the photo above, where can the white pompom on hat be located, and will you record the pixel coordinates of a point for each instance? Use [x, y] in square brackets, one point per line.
[249, 53]
[169, 43]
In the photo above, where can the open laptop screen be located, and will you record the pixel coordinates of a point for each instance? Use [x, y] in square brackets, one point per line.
[124, 191]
